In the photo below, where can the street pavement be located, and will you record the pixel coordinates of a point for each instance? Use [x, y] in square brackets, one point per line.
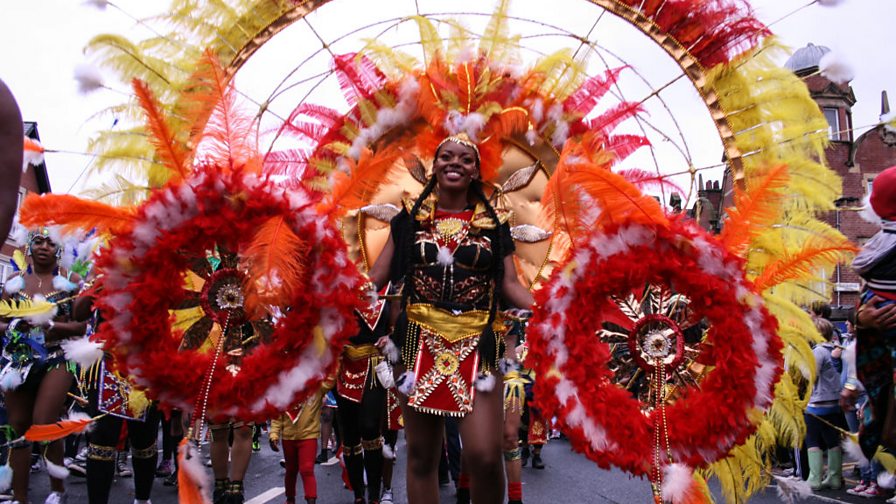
[569, 479]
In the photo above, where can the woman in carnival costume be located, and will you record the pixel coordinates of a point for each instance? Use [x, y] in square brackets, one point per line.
[35, 375]
[450, 251]
[361, 386]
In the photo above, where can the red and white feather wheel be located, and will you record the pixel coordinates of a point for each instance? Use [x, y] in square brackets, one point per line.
[741, 350]
[143, 281]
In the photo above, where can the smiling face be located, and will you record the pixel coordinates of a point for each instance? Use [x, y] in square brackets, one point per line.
[455, 166]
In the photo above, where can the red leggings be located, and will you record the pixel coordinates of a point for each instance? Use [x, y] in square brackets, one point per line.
[299, 455]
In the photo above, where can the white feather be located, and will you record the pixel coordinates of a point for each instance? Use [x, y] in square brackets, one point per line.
[889, 121]
[405, 383]
[15, 285]
[445, 258]
[791, 490]
[88, 77]
[41, 318]
[677, 478]
[485, 383]
[834, 68]
[5, 477]
[867, 213]
[61, 283]
[99, 4]
[886, 480]
[853, 451]
[390, 351]
[19, 234]
[10, 379]
[56, 471]
[83, 350]
[829, 3]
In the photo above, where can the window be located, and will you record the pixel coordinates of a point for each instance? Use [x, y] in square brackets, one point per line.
[22, 193]
[5, 269]
[833, 117]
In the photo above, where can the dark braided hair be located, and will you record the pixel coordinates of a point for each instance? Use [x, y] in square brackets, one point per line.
[488, 343]
[409, 239]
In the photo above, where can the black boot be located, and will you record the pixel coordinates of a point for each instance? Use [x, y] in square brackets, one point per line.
[219, 495]
[524, 454]
[536, 461]
[235, 493]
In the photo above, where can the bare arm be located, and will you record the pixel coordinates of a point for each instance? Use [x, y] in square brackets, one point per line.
[11, 136]
[379, 272]
[882, 318]
[514, 292]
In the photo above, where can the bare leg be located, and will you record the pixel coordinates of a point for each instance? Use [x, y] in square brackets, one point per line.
[513, 465]
[240, 452]
[482, 437]
[424, 435]
[219, 450]
[19, 407]
[49, 406]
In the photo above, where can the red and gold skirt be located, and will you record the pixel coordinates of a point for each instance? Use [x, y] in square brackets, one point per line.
[446, 360]
[355, 365]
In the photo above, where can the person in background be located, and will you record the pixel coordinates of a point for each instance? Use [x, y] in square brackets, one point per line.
[823, 414]
[11, 136]
[297, 430]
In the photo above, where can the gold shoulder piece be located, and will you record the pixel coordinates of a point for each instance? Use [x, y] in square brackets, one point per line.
[482, 220]
[425, 210]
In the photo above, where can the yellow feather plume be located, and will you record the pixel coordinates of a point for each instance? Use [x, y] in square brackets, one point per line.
[24, 308]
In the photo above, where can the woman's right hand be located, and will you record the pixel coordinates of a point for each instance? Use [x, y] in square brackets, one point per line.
[869, 316]
[274, 444]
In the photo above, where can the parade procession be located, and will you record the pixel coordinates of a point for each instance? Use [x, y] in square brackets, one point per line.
[412, 252]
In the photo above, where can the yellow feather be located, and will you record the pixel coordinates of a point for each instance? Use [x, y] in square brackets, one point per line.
[24, 308]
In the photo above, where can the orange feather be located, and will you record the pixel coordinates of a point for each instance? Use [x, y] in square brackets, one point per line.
[619, 200]
[754, 209]
[188, 491]
[172, 154]
[74, 214]
[224, 133]
[561, 205]
[32, 145]
[365, 176]
[275, 262]
[58, 430]
[812, 256]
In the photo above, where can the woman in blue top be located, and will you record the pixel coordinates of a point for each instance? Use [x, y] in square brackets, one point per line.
[823, 414]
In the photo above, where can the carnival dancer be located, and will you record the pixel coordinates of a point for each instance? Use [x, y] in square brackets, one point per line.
[361, 399]
[450, 251]
[297, 430]
[35, 375]
[113, 401]
[393, 423]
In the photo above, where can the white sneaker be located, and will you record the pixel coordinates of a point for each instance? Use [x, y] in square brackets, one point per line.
[56, 498]
[387, 497]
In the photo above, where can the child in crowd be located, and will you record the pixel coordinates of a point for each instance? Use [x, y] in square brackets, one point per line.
[298, 430]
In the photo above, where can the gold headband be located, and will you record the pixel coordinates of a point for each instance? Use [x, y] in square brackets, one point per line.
[461, 139]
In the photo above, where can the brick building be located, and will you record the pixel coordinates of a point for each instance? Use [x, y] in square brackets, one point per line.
[34, 179]
[856, 160]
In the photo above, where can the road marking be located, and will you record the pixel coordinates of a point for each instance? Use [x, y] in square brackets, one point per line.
[267, 496]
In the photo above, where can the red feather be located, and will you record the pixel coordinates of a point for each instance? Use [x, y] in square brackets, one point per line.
[358, 77]
[623, 146]
[645, 180]
[583, 101]
[170, 151]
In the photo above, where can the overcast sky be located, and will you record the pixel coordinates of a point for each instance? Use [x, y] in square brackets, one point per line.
[43, 41]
